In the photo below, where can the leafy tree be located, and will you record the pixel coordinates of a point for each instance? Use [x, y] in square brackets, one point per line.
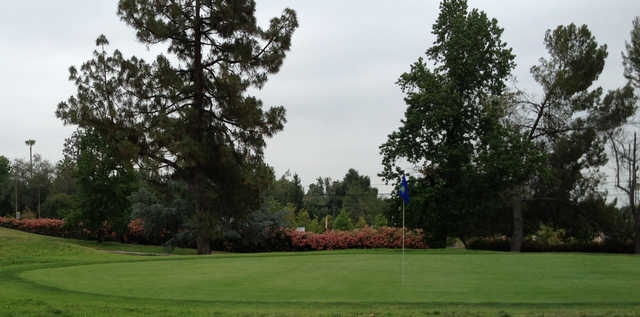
[40, 181]
[58, 205]
[380, 221]
[359, 197]
[63, 181]
[316, 226]
[189, 113]
[453, 116]
[104, 185]
[59, 201]
[324, 197]
[164, 215]
[5, 186]
[627, 159]
[354, 192]
[343, 221]
[631, 56]
[575, 143]
[361, 223]
[287, 190]
[316, 199]
[20, 174]
[33, 182]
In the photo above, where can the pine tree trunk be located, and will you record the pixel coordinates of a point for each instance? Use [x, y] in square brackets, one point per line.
[203, 244]
[518, 221]
[203, 240]
[636, 248]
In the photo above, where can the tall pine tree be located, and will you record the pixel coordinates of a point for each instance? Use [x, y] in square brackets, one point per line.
[189, 112]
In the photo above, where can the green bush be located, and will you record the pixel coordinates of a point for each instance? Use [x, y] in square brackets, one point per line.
[380, 221]
[343, 221]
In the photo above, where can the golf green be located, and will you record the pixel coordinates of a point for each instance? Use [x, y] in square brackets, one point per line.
[362, 277]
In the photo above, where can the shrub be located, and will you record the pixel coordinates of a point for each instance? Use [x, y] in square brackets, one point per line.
[365, 238]
[361, 223]
[380, 221]
[343, 221]
[529, 245]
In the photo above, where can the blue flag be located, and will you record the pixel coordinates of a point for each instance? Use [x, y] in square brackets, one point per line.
[404, 190]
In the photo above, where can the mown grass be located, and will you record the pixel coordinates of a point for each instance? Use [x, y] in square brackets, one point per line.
[43, 276]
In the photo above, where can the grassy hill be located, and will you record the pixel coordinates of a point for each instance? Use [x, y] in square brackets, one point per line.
[43, 276]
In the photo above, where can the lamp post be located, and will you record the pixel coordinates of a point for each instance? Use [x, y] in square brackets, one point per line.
[30, 143]
[17, 213]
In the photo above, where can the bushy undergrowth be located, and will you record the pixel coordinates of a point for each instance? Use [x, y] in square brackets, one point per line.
[529, 245]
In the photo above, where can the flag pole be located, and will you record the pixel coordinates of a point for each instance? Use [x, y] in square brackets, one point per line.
[403, 241]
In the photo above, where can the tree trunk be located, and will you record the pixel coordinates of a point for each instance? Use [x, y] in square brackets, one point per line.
[203, 240]
[203, 243]
[518, 221]
[636, 248]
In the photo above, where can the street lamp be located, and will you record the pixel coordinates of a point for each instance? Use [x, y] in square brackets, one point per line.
[30, 143]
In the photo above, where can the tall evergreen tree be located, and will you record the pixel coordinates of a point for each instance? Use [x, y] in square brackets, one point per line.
[574, 142]
[190, 112]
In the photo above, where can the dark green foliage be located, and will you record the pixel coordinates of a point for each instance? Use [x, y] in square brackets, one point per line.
[58, 206]
[380, 221]
[569, 123]
[286, 190]
[190, 113]
[5, 186]
[324, 197]
[343, 221]
[260, 231]
[528, 245]
[163, 218]
[452, 133]
[360, 198]
[104, 185]
[631, 56]
[354, 192]
[33, 183]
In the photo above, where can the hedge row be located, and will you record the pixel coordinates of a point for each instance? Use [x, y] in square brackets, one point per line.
[280, 240]
[504, 244]
[365, 238]
[58, 228]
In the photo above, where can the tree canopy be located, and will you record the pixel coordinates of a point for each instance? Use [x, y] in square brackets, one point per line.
[189, 112]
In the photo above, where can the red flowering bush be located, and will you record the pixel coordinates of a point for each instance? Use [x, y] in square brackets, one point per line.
[365, 238]
[136, 231]
[58, 228]
[52, 227]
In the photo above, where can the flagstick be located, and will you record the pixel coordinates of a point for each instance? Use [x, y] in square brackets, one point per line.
[402, 277]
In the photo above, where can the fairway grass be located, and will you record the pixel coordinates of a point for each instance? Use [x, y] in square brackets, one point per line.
[49, 276]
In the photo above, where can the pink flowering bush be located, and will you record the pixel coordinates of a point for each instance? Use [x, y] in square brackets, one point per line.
[52, 227]
[365, 238]
[57, 228]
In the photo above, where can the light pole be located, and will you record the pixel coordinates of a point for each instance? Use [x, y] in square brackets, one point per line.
[30, 143]
[16, 177]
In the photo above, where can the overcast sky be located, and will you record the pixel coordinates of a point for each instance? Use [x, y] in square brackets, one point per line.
[337, 82]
